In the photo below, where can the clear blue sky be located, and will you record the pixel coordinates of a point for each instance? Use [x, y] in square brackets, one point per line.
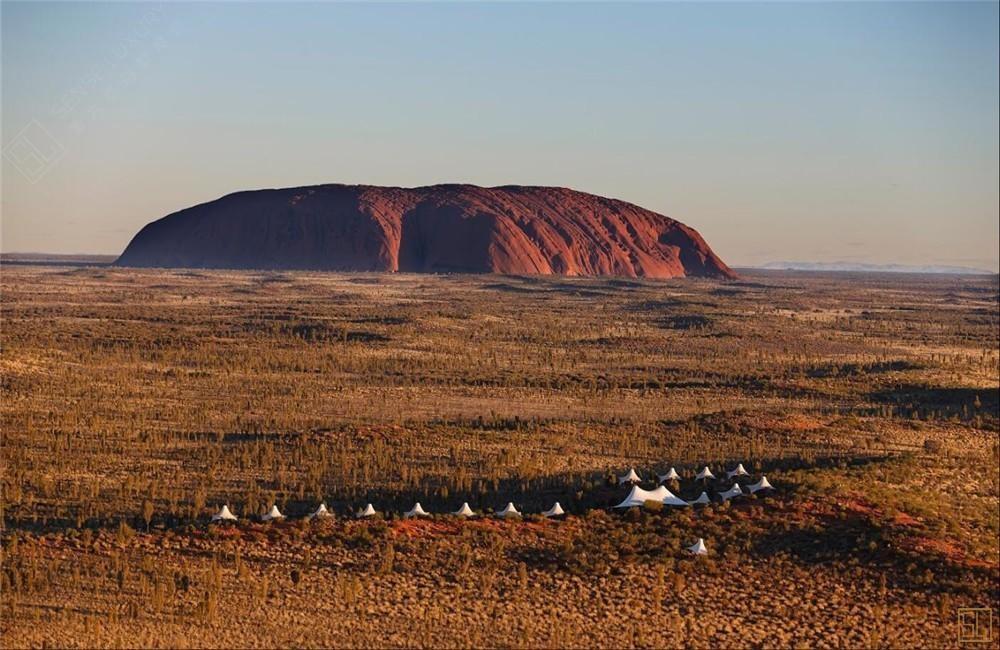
[863, 132]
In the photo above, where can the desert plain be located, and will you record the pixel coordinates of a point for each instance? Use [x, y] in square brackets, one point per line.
[136, 402]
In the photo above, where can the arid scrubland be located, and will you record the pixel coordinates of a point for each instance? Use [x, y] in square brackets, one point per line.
[135, 403]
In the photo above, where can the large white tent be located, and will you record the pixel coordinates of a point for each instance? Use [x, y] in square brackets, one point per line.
[630, 477]
[732, 492]
[762, 484]
[702, 500]
[464, 511]
[321, 511]
[369, 511]
[705, 473]
[672, 475]
[273, 513]
[698, 548]
[739, 471]
[638, 497]
[554, 511]
[224, 515]
[508, 511]
[416, 511]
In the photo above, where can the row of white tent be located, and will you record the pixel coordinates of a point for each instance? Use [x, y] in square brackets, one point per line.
[225, 514]
[704, 474]
[637, 498]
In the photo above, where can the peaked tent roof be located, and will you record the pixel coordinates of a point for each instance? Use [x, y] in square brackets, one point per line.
[638, 497]
[464, 511]
[739, 471]
[630, 477]
[734, 491]
[702, 500]
[273, 513]
[762, 484]
[698, 548]
[705, 473]
[369, 511]
[554, 511]
[671, 499]
[224, 515]
[509, 510]
[416, 511]
[672, 475]
[321, 511]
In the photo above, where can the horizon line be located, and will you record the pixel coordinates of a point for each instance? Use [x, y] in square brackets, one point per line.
[875, 267]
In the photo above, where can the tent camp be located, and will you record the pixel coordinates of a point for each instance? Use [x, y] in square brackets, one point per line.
[224, 515]
[672, 475]
[273, 513]
[638, 498]
[416, 511]
[631, 477]
[762, 484]
[509, 511]
[554, 511]
[702, 500]
[734, 491]
[705, 473]
[464, 511]
[698, 548]
[321, 511]
[739, 471]
[369, 511]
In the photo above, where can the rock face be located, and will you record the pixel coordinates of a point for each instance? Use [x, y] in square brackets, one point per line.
[441, 228]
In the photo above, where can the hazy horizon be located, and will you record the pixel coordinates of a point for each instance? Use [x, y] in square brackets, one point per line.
[863, 133]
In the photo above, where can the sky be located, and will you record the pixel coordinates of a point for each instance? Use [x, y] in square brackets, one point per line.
[793, 131]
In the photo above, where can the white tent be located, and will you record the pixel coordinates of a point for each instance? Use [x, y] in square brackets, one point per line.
[509, 511]
[464, 511]
[224, 515]
[762, 484]
[416, 511]
[638, 497]
[672, 475]
[739, 471]
[702, 500]
[321, 511]
[273, 513]
[369, 511]
[734, 491]
[705, 473]
[554, 511]
[698, 548]
[631, 477]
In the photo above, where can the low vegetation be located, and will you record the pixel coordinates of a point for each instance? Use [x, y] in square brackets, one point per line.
[135, 403]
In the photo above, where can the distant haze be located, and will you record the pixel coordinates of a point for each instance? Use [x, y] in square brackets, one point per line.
[857, 132]
[857, 267]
